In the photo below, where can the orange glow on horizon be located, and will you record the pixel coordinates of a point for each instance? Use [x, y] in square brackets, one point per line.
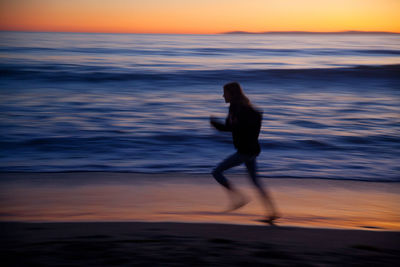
[199, 17]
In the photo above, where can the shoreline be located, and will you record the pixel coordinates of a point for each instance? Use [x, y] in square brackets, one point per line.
[234, 173]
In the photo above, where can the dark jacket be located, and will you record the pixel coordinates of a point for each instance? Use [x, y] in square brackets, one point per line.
[245, 123]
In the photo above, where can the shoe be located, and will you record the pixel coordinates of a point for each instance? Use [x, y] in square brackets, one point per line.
[271, 219]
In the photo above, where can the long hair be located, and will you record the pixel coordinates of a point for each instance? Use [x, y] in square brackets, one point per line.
[236, 91]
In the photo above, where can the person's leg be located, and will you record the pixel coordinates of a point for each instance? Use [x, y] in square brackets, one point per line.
[266, 199]
[230, 162]
[238, 200]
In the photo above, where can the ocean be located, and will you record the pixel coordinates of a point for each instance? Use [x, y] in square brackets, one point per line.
[142, 102]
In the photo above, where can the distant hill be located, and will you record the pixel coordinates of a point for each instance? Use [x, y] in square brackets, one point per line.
[306, 32]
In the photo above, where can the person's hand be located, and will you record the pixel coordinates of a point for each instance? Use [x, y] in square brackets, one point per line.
[213, 121]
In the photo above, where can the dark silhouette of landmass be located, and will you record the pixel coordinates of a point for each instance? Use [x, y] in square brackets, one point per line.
[307, 32]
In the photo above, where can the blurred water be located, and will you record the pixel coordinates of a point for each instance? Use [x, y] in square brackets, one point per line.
[141, 103]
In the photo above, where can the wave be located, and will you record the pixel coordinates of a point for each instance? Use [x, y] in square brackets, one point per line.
[182, 152]
[202, 51]
[308, 124]
[166, 141]
[83, 73]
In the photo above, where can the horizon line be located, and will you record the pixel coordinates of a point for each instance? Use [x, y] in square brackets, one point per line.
[313, 32]
[218, 33]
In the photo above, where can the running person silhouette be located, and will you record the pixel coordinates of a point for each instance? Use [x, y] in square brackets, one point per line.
[244, 121]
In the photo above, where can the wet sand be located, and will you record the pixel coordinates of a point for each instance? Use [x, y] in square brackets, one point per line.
[100, 196]
[102, 219]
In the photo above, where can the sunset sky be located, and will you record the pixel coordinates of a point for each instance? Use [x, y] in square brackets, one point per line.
[199, 16]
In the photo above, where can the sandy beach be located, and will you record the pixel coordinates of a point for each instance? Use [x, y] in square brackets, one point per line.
[176, 220]
[192, 244]
[107, 196]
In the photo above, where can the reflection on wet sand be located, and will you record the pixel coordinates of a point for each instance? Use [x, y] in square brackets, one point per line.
[77, 197]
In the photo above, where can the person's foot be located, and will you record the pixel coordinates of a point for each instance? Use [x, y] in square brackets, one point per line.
[271, 219]
[237, 201]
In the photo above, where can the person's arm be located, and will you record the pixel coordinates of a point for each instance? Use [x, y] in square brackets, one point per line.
[220, 126]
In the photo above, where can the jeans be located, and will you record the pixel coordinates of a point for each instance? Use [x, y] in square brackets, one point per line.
[235, 160]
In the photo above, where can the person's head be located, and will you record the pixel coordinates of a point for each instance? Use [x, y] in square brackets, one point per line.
[233, 93]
